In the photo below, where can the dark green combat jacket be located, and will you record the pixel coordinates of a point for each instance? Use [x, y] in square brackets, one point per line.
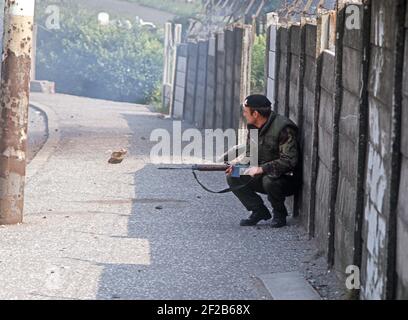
[278, 147]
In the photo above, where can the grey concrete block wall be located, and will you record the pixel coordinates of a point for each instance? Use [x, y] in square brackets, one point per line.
[377, 199]
[345, 206]
[209, 122]
[322, 206]
[229, 78]
[295, 47]
[216, 79]
[271, 62]
[283, 79]
[201, 84]
[349, 116]
[378, 178]
[223, 68]
[352, 70]
[325, 134]
[402, 210]
[283, 35]
[180, 82]
[347, 197]
[190, 94]
[220, 83]
[311, 39]
[308, 116]
[236, 98]
[328, 75]
[294, 101]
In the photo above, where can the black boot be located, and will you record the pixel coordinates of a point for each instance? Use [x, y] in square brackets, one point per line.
[256, 216]
[279, 220]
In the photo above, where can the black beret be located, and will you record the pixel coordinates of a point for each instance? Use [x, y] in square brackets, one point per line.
[257, 101]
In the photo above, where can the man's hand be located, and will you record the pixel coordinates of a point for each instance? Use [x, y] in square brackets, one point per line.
[254, 171]
[229, 170]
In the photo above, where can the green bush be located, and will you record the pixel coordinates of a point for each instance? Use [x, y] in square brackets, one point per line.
[106, 62]
[258, 64]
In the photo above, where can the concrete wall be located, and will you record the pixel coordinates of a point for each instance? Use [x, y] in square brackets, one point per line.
[190, 93]
[325, 133]
[294, 102]
[351, 108]
[402, 220]
[294, 75]
[229, 78]
[180, 82]
[309, 92]
[378, 171]
[348, 151]
[201, 85]
[211, 84]
[220, 82]
[217, 79]
[282, 65]
[271, 62]
[236, 97]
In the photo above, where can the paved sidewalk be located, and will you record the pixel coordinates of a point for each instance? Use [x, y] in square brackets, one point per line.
[98, 231]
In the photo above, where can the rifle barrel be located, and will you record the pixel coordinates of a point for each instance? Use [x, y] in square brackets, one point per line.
[172, 168]
[210, 167]
[199, 167]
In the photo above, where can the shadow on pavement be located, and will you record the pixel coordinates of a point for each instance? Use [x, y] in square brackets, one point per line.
[196, 248]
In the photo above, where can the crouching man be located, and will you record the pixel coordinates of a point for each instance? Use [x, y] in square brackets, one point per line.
[278, 174]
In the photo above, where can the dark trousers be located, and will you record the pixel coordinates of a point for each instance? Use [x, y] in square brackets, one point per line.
[277, 190]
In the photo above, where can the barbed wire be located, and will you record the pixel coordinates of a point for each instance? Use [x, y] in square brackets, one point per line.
[217, 14]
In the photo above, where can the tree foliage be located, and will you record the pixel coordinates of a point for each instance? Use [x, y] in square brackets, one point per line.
[107, 62]
[258, 64]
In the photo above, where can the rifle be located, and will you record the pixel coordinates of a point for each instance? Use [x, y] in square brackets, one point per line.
[237, 171]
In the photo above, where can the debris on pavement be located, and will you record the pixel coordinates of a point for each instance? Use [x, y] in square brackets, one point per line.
[117, 156]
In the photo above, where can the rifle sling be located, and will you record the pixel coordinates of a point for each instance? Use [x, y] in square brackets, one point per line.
[222, 191]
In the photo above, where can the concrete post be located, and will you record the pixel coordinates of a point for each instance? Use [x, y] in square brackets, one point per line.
[15, 86]
[244, 79]
[300, 105]
[315, 132]
[172, 76]
[169, 70]
[288, 70]
[220, 81]
[396, 131]
[272, 21]
[166, 65]
[338, 101]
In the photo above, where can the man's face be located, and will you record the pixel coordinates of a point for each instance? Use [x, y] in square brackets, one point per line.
[250, 118]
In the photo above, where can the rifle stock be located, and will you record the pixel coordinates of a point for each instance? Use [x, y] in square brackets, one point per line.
[237, 169]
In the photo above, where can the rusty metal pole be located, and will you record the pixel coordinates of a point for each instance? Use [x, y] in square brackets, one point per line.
[14, 95]
[33, 71]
